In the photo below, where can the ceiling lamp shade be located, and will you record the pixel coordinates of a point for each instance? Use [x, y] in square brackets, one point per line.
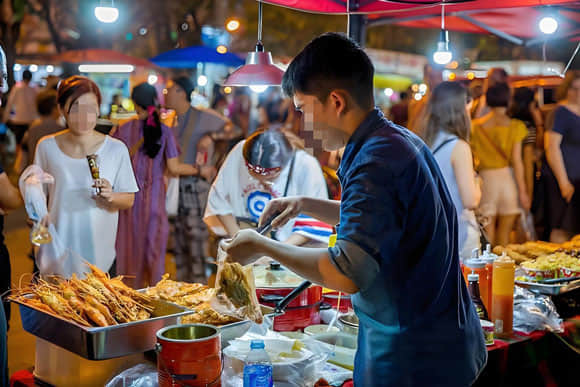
[259, 69]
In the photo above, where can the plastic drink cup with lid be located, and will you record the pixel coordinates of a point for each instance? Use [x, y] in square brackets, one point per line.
[503, 295]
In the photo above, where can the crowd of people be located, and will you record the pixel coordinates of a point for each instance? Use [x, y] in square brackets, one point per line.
[508, 164]
[150, 170]
[153, 170]
[209, 176]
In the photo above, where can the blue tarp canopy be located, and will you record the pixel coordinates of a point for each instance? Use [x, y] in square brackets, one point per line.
[189, 57]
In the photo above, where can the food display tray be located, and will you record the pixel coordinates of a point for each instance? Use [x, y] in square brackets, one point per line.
[101, 343]
[549, 289]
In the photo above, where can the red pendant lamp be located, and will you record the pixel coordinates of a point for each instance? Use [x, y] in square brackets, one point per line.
[259, 70]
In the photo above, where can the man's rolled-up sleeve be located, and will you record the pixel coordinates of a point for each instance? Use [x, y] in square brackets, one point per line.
[355, 263]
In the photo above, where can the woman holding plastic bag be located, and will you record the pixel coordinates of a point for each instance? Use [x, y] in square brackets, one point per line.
[93, 180]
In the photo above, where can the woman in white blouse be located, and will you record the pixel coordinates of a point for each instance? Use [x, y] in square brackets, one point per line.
[83, 210]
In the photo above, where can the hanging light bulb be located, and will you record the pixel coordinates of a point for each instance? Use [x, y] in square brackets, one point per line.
[108, 14]
[232, 24]
[202, 80]
[259, 69]
[152, 79]
[258, 88]
[548, 25]
[443, 56]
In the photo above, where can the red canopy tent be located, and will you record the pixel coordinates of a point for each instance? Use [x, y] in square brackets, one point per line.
[519, 25]
[510, 19]
[404, 7]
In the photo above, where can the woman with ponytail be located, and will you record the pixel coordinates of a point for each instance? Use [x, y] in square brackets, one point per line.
[143, 229]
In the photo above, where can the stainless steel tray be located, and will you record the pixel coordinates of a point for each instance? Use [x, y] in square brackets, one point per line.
[104, 342]
[549, 289]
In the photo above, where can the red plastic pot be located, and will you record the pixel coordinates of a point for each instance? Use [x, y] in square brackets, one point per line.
[303, 311]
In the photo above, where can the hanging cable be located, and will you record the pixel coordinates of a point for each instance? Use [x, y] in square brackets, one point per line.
[443, 16]
[259, 21]
[348, 18]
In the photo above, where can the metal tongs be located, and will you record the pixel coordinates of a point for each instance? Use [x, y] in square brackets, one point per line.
[267, 226]
[281, 306]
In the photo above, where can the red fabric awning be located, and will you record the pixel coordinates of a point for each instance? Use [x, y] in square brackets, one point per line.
[516, 18]
[403, 8]
[508, 20]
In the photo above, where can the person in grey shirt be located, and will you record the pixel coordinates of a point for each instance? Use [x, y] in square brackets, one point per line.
[195, 131]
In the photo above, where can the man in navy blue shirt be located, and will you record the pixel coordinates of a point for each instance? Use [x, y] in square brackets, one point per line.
[396, 249]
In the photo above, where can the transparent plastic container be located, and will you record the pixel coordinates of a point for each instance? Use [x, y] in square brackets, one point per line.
[503, 296]
[477, 266]
[258, 367]
[489, 258]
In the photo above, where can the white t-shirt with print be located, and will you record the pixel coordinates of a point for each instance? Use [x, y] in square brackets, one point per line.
[87, 230]
[236, 192]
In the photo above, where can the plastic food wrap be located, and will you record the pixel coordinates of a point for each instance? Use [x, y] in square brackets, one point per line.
[31, 187]
[294, 363]
[142, 375]
[527, 224]
[235, 291]
[53, 257]
[534, 312]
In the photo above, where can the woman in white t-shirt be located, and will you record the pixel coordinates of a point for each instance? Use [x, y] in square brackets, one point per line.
[261, 168]
[84, 210]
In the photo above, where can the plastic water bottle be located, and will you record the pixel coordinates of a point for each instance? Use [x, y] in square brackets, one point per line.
[258, 368]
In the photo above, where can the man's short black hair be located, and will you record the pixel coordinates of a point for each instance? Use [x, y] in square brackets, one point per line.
[498, 95]
[26, 75]
[46, 102]
[331, 61]
[186, 85]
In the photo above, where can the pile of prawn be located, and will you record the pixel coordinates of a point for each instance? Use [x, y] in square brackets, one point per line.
[95, 301]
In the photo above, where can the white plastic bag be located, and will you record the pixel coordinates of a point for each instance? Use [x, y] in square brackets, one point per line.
[534, 312]
[172, 196]
[302, 371]
[141, 375]
[527, 224]
[31, 187]
[53, 257]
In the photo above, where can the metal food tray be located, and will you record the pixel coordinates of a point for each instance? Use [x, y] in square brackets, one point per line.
[101, 343]
[549, 289]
